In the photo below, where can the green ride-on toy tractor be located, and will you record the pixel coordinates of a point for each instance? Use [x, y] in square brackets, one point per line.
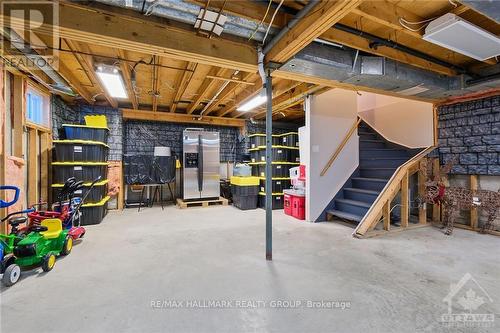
[42, 245]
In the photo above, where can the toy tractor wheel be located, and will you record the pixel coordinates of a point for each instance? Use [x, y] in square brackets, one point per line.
[67, 246]
[48, 262]
[11, 275]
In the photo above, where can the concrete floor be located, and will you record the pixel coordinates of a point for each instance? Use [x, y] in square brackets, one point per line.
[394, 283]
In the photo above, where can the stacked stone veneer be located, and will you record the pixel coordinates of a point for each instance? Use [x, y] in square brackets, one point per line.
[470, 133]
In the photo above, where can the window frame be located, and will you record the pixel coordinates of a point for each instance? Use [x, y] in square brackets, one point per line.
[47, 98]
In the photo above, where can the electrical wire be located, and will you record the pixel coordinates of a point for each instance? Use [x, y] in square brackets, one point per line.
[151, 8]
[417, 22]
[405, 23]
[262, 21]
[272, 20]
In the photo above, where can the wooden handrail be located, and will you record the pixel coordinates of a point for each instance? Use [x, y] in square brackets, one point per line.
[371, 218]
[340, 147]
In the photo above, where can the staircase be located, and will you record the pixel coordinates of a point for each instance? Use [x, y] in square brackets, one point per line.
[378, 160]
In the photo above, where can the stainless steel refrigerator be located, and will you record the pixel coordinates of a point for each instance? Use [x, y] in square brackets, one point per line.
[201, 179]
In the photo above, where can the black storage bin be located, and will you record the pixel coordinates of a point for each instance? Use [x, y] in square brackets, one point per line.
[80, 151]
[84, 171]
[279, 170]
[255, 170]
[261, 156]
[280, 154]
[293, 155]
[290, 139]
[84, 132]
[254, 155]
[96, 194]
[94, 213]
[278, 201]
[257, 140]
[278, 185]
[244, 191]
[245, 197]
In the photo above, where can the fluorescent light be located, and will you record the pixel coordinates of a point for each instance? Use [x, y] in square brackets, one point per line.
[253, 102]
[112, 81]
[459, 35]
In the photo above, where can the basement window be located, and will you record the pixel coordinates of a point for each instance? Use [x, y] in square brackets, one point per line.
[37, 107]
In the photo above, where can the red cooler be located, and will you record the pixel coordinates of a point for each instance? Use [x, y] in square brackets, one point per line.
[287, 204]
[299, 207]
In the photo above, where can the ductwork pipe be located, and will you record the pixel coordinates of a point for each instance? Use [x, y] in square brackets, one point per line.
[61, 83]
[292, 23]
[389, 43]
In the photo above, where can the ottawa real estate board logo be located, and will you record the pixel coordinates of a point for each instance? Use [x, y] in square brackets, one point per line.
[30, 34]
[467, 301]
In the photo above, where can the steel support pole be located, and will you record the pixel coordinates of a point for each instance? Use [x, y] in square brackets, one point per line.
[269, 171]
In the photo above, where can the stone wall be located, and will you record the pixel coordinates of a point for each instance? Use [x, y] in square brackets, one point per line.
[142, 136]
[61, 114]
[470, 133]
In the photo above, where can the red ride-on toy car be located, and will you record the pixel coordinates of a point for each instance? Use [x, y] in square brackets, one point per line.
[67, 209]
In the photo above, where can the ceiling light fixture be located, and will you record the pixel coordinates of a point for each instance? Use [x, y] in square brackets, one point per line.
[210, 21]
[459, 35]
[253, 102]
[112, 81]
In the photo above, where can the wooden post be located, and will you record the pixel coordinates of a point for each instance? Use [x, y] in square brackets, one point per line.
[121, 193]
[404, 201]
[32, 162]
[387, 215]
[44, 166]
[18, 115]
[3, 153]
[473, 212]
[436, 214]
[422, 211]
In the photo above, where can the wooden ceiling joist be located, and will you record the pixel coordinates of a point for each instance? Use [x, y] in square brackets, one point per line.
[182, 83]
[86, 62]
[292, 97]
[75, 84]
[206, 86]
[113, 30]
[180, 118]
[155, 91]
[230, 80]
[388, 15]
[320, 19]
[280, 87]
[132, 96]
[244, 95]
[229, 91]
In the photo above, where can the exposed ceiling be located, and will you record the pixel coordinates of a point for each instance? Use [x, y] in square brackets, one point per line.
[180, 69]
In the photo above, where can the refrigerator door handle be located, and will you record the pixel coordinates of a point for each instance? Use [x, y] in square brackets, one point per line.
[200, 163]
